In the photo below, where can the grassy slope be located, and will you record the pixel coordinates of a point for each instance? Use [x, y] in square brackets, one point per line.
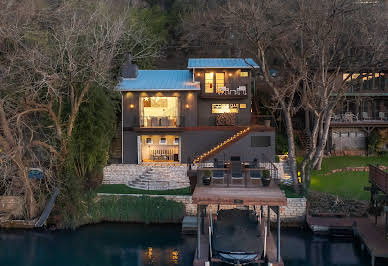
[346, 184]
[123, 189]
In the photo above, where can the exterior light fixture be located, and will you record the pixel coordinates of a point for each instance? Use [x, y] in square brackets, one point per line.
[230, 74]
[187, 106]
[198, 74]
[131, 106]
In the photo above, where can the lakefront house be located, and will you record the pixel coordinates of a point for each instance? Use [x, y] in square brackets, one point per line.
[192, 115]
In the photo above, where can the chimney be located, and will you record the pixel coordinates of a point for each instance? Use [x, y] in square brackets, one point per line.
[129, 70]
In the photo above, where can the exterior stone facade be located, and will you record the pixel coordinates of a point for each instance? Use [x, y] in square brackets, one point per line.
[122, 173]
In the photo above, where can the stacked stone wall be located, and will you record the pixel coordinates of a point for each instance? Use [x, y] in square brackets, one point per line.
[295, 211]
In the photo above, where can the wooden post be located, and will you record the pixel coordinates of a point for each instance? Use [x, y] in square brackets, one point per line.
[198, 231]
[278, 239]
[269, 219]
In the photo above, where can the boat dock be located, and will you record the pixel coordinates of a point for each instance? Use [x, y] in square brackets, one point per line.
[270, 196]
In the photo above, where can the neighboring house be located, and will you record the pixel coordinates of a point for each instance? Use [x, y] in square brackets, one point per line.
[364, 109]
[192, 115]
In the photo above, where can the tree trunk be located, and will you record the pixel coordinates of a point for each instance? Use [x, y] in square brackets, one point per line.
[291, 147]
[322, 140]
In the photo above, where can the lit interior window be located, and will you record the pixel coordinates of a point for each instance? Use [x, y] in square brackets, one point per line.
[224, 108]
[244, 74]
[243, 105]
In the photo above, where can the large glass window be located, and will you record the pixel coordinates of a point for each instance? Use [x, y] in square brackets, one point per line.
[209, 82]
[221, 108]
[159, 111]
[366, 81]
[220, 81]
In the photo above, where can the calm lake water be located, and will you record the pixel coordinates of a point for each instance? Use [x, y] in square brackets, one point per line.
[135, 244]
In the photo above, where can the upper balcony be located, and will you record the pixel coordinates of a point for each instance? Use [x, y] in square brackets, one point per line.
[225, 91]
[356, 120]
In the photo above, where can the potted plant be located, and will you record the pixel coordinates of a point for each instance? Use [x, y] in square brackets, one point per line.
[206, 178]
[266, 179]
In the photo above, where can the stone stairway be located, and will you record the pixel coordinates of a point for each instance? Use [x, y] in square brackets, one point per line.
[162, 178]
[284, 170]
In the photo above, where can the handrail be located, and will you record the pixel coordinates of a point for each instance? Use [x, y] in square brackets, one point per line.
[274, 170]
[379, 178]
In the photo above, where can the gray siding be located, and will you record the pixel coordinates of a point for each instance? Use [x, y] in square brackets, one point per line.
[246, 152]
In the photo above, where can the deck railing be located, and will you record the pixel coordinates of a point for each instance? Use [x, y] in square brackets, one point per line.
[379, 178]
[161, 121]
[227, 90]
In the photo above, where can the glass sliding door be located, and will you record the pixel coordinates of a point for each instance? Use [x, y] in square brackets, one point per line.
[209, 82]
[160, 148]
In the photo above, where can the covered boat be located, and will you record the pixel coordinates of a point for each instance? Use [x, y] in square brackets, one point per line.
[237, 237]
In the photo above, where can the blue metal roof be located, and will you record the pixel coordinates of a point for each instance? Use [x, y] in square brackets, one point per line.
[160, 80]
[222, 63]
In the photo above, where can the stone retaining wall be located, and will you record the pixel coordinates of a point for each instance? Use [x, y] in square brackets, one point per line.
[122, 173]
[354, 169]
[294, 212]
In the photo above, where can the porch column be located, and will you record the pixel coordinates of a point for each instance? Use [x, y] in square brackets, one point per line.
[198, 231]
[278, 239]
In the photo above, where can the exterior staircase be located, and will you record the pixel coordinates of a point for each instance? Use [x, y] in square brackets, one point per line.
[222, 145]
[161, 178]
[304, 139]
[115, 147]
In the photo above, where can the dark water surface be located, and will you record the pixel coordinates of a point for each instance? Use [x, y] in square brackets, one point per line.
[135, 244]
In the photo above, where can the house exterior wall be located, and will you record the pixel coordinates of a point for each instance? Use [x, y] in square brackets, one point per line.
[244, 149]
[348, 140]
[205, 116]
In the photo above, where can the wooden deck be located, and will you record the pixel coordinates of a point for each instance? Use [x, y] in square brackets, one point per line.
[373, 237]
[233, 195]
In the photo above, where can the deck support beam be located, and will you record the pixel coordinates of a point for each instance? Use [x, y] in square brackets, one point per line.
[268, 220]
[198, 231]
[278, 238]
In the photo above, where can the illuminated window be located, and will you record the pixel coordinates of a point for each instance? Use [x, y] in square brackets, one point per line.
[220, 81]
[209, 82]
[243, 106]
[221, 108]
[244, 74]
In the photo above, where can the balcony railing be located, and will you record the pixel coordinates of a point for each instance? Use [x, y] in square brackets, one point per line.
[363, 117]
[161, 121]
[227, 90]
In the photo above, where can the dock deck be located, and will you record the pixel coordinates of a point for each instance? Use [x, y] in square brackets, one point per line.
[373, 237]
[270, 196]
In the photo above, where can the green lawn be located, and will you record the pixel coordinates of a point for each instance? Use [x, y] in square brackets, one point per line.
[123, 189]
[348, 185]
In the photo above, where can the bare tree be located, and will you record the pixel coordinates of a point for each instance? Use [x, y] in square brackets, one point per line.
[340, 38]
[53, 58]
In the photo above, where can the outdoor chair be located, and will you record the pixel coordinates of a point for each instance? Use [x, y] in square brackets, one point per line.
[382, 115]
[237, 173]
[242, 89]
[255, 174]
[164, 121]
[154, 121]
[365, 116]
[218, 175]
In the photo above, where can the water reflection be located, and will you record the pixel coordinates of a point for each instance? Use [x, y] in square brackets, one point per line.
[141, 245]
